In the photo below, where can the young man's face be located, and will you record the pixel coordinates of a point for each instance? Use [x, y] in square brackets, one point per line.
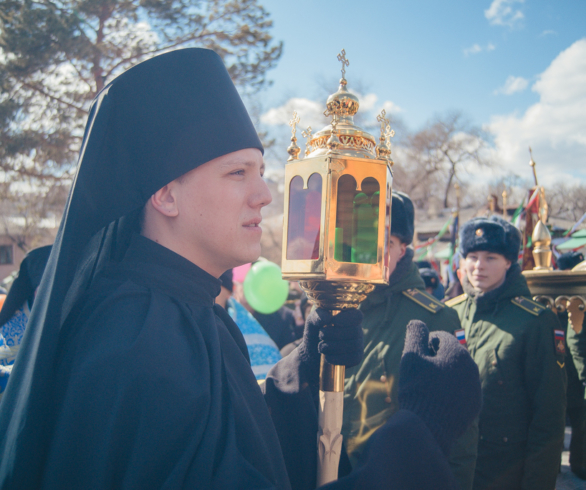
[396, 252]
[486, 270]
[219, 206]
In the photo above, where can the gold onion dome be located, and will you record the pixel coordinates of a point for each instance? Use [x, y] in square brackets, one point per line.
[353, 141]
[343, 102]
[342, 136]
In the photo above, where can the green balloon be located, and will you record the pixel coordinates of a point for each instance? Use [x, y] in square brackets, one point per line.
[264, 288]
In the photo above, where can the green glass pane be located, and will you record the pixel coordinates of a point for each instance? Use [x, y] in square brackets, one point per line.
[357, 221]
[344, 218]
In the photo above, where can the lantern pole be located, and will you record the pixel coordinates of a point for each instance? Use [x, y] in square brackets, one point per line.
[331, 377]
[330, 418]
[337, 219]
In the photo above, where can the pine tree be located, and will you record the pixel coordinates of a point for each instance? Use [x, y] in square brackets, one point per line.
[56, 55]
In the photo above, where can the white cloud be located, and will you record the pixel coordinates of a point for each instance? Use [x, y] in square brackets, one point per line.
[391, 108]
[310, 113]
[477, 48]
[367, 102]
[547, 32]
[503, 13]
[513, 85]
[4, 57]
[474, 49]
[554, 126]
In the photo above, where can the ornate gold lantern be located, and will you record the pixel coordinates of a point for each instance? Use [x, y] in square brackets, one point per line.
[337, 222]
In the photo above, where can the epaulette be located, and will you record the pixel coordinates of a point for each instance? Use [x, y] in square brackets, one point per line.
[529, 305]
[423, 299]
[456, 300]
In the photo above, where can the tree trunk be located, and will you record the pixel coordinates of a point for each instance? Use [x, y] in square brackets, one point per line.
[448, 186]
[97, 66]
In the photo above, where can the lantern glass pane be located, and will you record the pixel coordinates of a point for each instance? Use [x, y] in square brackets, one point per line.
[304, 218]
[387, 219]
[356, 238]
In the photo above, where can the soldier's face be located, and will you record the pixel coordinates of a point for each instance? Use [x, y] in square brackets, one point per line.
[486, 270]
[397, 250]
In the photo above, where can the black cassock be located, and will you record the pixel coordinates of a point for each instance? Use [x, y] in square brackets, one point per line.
[127, 375]
[155, 390]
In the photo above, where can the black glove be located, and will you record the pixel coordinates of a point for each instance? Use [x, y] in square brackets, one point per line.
[439, 382]
[401, 454]
[337, 337]
[439, 393]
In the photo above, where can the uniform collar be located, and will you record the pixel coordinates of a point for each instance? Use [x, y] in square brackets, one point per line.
[405, 276]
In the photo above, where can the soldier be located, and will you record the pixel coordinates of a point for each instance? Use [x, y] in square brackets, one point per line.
[576, 371]
[577, 347]
[433, 284]
[371, 388]
[519, 350]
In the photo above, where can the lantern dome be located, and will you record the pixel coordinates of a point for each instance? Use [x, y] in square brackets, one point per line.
[343, 102]
[353, 140]
[350, 140]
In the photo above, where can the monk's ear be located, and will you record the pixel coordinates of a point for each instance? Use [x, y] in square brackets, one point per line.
[165, 201]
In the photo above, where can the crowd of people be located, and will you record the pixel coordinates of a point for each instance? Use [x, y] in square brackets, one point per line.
[141, 364]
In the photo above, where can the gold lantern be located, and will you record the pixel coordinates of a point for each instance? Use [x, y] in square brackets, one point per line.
[338, 206]
[337, 220]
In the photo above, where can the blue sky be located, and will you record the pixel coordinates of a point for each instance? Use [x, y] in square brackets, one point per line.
[515, 67]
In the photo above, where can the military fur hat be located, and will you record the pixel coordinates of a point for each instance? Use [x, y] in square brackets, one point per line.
[492, 234]
[402, 217]
[430, 277]
[569, 260]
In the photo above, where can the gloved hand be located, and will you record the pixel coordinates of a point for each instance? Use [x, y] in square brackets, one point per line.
[439, 382]
[439, 394]
[338, 337]
[401, 454]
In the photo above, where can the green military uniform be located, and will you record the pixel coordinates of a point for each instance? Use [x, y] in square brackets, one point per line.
[371, 388]
[577, 349]
[575, 391]
[521, 364]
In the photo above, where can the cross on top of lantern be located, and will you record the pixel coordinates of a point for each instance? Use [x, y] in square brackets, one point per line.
[337, 214]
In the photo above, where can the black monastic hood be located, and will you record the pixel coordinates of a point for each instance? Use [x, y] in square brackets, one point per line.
[152, 124]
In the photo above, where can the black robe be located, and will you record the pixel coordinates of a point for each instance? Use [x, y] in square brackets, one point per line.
[124, 373]
[154, 387]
